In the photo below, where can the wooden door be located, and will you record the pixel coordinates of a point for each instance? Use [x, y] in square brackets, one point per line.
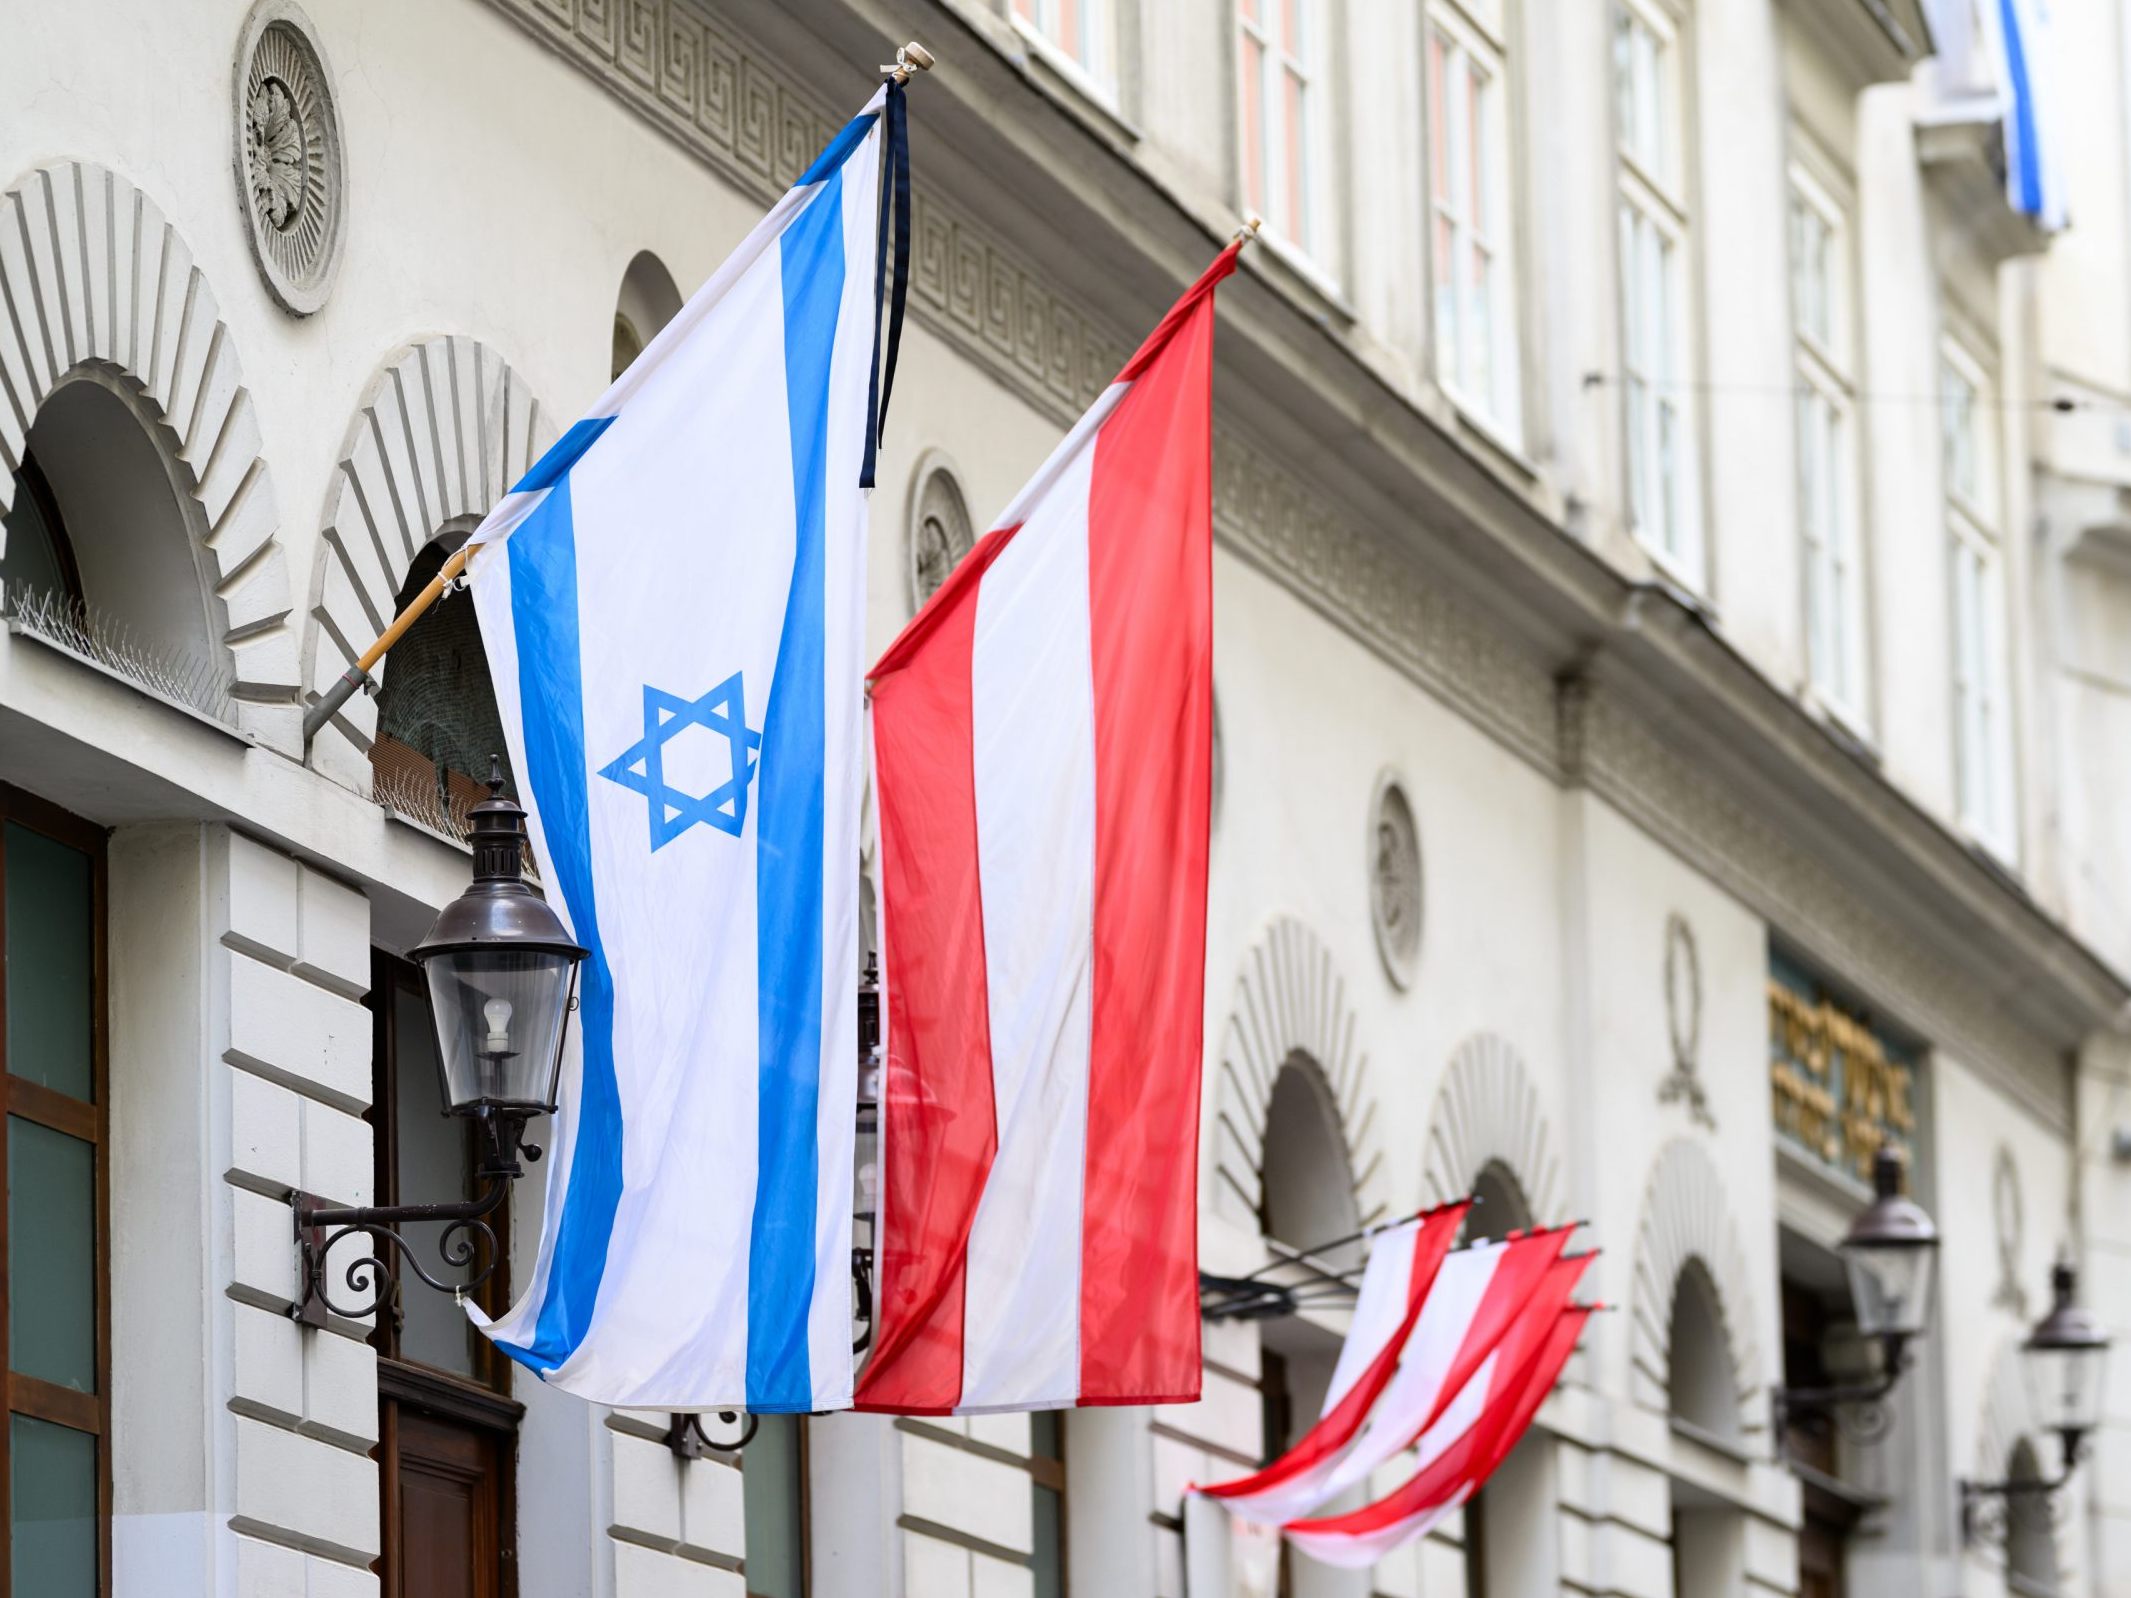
[448, 1511]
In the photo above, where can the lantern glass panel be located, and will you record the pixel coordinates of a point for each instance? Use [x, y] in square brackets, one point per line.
[2065, 1386]
[500, 1016]
[1890, 1287]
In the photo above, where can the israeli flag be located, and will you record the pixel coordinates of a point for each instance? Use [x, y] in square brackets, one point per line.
[671, 602]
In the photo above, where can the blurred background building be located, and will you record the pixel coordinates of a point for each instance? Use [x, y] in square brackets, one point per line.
[1674, 696]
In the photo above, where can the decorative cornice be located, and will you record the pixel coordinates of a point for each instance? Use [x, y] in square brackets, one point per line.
[1705, 819]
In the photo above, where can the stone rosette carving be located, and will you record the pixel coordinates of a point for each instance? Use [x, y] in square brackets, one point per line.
[1395, 899]
[288, 156]
[1683, 1022]
[940, 532]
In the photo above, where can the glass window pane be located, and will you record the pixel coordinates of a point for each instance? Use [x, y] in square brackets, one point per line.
[51, 966]
[53, 1509]
[773, 1502]
[51, 1239]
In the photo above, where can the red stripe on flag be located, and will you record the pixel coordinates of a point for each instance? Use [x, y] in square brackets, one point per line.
[1323, 1441]
[938, 1131]
[1150, 605]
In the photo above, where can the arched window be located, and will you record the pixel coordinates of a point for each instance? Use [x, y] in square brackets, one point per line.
[648, 301]
[1307, 1186]
[1699, 1381]
[102, 556]
[437, 724]
[1505, 1522]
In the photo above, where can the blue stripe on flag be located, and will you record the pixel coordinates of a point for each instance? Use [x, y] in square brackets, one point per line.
[2028, 170]
[543, 554]
[838, 151]
[563, 454]
[788, 869]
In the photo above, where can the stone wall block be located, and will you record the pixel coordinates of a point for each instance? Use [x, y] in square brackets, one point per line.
[995, 1578]
[952, 1487]
[338, 1155]
[1228, 1415]
[713, 1517]
[1771, 1555]
[266, 1133]
[265, 1263]
[339, 1389]
[1573, 1534]
[647, 1489]
[311, 1493]
[1176, 1466]
[296, 1033]
[647, 1573]
[265, 901]
[331, 1580]
[934, 1568]
[269, 1365]
[268, 1570]
[1008, 1431]
[335, 948]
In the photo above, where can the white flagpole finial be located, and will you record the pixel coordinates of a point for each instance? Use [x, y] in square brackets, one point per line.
[911, 58]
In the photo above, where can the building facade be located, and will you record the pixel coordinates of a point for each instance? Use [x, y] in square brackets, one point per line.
[1673, 712]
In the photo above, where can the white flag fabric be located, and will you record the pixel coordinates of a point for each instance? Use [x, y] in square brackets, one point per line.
[671, 601]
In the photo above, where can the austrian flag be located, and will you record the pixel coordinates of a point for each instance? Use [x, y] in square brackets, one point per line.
[1043, 746]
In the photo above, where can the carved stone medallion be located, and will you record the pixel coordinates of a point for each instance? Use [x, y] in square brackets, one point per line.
[940, 531]
[2008, 1211]
[1683, 1021]
[1395, 879]
[289, 156]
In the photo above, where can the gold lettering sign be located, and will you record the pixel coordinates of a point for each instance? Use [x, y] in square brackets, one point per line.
[1837, 1095]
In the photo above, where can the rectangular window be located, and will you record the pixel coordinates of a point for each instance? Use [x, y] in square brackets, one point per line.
[1656, 331]
[57, 1326]
[1982, 708]
[1469, 220]
[1828, 491]
[1277, 98]
[1078, 30]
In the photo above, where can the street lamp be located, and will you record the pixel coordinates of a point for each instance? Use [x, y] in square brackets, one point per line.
[502, 975]
[2062, 1361]
[1889, 1255]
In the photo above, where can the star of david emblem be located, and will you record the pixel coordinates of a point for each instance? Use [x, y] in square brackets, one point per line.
[641, 767]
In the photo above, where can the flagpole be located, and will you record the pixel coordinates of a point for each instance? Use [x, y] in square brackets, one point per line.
[910, 60]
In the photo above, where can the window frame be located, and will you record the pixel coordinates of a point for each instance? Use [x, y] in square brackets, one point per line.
[1098, 78]
[1257, 24]
[1986, 787]
[30, 1101]
[1831, 534]
[1472, 50]
[1665, 516]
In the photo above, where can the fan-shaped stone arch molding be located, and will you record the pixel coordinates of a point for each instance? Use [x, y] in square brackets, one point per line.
[1290, 999]
[1686, 1219]
[93, 274]
[1488, 1111]
[442, 431]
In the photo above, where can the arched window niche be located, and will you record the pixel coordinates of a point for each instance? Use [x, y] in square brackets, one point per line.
[437, 722]
[1508, 1525]
[1699, 1387]
[647, 302]
[103, 545]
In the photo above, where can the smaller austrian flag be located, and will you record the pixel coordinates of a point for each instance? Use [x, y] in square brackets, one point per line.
[1043, 744]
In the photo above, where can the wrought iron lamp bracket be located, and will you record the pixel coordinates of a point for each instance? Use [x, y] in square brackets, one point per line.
[1858, 1409]
[467, 1239]
[686, 1437]
[1984, 1504]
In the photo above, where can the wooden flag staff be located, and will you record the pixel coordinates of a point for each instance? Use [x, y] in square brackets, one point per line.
[912, 58]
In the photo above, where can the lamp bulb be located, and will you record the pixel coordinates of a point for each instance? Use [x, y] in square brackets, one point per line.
[497, 1012]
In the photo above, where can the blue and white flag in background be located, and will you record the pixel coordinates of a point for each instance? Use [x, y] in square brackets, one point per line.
[672, 603]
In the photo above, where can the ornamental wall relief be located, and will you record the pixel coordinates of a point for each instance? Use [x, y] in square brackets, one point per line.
[289, 156]
[1395, 879]
[1683, 1022]
[940, 532]
[2009, 1213]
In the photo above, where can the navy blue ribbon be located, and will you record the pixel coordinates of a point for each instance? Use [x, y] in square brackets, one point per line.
[895, 207]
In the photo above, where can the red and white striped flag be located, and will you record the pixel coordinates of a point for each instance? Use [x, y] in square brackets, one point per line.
[1467, 1445]
[1043, 736]
[1478, 1296]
